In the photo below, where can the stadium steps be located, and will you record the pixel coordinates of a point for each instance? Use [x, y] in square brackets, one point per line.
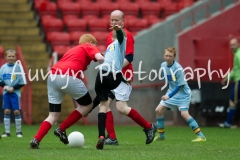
[36, 46]
[20, 31]
[28, 15]
[19, 26]
[18, 23]
[14, 7]
[13, 1]
[14, 38]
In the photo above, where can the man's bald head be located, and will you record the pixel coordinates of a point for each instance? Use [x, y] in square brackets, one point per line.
[117, 18]
[234, 44]
[117, 13]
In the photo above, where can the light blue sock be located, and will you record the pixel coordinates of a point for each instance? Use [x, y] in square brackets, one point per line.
[194, 126]
[160, 126]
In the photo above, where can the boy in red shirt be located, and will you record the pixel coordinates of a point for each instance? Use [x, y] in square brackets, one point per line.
[66, 78]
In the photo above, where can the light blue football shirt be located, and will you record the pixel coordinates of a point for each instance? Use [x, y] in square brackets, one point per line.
[175, 77]
[6, 77]
[114, 56]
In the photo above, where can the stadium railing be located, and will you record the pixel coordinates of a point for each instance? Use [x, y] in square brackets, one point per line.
[26, 100]
[191, 15]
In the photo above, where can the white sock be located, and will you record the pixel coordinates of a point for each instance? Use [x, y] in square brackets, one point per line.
[18, 122]
[7, 122]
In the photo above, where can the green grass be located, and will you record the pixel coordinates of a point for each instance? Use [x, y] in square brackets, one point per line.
[221, 144]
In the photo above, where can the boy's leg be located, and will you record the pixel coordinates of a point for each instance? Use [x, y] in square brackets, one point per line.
[7, 112]
[54, 114]
[6, 121]
[18, 122]
[111, 138]
[85, 103]
[194, 126]
[16, 105]
[160, 128]
[149, 128]
[234, 96]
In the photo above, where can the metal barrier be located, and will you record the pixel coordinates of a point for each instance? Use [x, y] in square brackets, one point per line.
[201, 8]
[26, 100]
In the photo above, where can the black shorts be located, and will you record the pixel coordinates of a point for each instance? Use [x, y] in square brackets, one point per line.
[107, 84]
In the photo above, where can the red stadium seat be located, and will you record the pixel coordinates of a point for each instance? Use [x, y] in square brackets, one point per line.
[122, 1]
[83, 1]
[136, 25]
[74, 37]
[90, 9]
[142, 1]
[101, 37]
[150, 8]
[37, 3]
[76, 25]
[185, 3]
[89, 17]
[152, 19]
[128, 18]
[67, 17]
[58, 38]
[70, 8]
[98, 25]
[129, 8]
[45, 18]
[1, 52]
[107, 7]
[167, 8]
[52, 24]
[49, 8]
[61, 49]
[59, 2]
[103, 1]
[102, 48]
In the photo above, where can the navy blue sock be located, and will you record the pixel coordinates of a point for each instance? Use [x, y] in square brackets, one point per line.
[231, 113]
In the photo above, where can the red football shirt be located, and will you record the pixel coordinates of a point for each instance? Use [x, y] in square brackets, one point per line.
[129, 50]
[75, 60]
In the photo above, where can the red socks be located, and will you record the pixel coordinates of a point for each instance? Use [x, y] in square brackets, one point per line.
[110, 125]
[139, 119]
[43, 130]
[71, 119]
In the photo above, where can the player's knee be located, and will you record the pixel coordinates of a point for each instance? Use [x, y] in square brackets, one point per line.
[159, 110]
[16, 112]
[185, 114]
[232, 107]
[121, 107]
[7, 111]
[85, 100]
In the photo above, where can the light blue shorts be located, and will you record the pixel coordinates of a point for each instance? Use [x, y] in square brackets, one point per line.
[172, 107]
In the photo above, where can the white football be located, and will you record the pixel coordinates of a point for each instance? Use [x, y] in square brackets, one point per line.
[76, 139]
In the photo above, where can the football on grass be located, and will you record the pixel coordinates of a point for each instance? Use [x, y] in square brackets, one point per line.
[76, 139]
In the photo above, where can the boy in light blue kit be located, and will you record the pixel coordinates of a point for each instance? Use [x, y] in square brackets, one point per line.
[178, 95]
[11, 83]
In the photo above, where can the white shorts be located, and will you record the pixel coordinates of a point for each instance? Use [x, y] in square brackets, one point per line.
[122, 92]
[172, 107]
[60, 86]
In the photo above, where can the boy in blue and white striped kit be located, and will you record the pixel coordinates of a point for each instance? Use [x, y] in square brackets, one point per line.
[178, 96]
[11, 83]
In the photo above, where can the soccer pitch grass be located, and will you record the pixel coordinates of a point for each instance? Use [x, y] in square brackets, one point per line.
[221, 144]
